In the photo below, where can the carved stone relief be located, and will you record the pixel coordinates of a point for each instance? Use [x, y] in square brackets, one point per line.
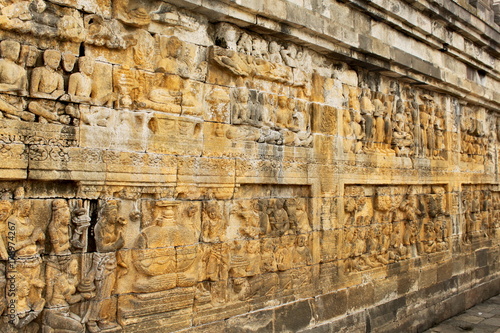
[479, 210]
[162, 169]
[474, 132]
[385, 224]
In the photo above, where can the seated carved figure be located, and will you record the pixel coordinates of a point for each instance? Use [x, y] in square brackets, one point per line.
[48, 85]
[173, 60]
[155, 257]
[80, 84]
[27, 235]
[165, 93]
[13, 81]
[80, 88]
[61, 293]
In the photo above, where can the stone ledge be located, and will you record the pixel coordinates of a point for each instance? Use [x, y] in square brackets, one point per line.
[294, 30]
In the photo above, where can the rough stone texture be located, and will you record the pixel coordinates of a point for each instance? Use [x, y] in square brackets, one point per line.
[247, 166]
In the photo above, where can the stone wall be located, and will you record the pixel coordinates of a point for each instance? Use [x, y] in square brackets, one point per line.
[326, 166]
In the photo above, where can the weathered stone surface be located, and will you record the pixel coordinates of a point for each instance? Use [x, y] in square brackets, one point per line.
[247, 166]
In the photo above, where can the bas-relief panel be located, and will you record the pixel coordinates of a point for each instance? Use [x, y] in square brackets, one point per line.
[276, 98]
[145, 87]
[478, 137]
[102, 264]
[383, 224]
[395, 119]
[480, 205]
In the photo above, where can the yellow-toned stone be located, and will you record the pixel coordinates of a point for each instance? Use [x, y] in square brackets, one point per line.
[207, 166]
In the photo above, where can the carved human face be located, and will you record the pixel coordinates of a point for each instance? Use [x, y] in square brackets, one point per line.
[24, 208]
[383, 202]
[73, 267]
[173, 48]
[279, 203]
[350, 205]
[191, 211]
[52, 58]
[40, 6]
[293, 51]
[243, 97]
[32, 57]
[69, 60]
[10, 49]
[362, 233]
[86, 65]
[274, 47]
[282, 101]
[212, 213]
[5, 209]
[112, 215]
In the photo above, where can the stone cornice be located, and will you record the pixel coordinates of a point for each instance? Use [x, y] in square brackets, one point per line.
[438, 58]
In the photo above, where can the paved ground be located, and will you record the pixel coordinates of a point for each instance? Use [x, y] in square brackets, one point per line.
[482, 318]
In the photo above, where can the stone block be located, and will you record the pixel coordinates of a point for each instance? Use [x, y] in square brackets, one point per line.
[359, 297]
[386, 290]
[293, 317]
[386, 312]
[428, 277]
[401, 57]
[481, 258]
[444, 271]
[329, 306]
[261, 321]
[407, 283]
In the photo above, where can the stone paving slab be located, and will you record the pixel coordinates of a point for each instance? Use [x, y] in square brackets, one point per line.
[482, 318]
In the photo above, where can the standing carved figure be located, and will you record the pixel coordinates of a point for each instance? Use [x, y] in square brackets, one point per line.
[367, 110]
[61, 275]
[389, 105]
[378, 113]
[81, 222]
[439, 128]
[240, 108]
[59, 228]
[109, 238]
[425, 122]
[348, 132]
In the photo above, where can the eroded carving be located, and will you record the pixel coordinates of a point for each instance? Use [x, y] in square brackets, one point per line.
[384, 224]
